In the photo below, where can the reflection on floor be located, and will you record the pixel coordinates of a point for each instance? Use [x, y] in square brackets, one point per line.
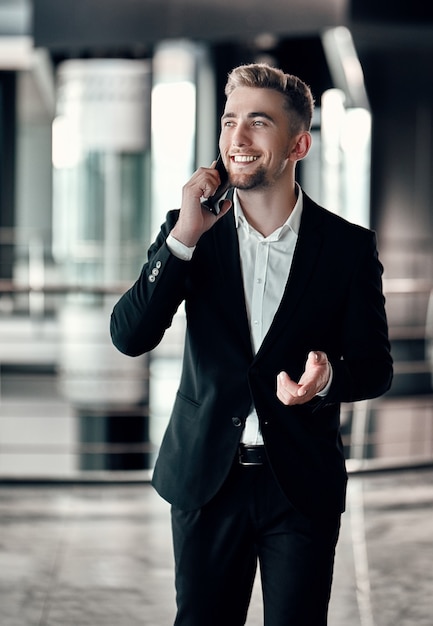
[90, 555]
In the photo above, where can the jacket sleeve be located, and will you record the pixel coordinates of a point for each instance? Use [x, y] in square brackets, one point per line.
[365, 368]
[143, 314]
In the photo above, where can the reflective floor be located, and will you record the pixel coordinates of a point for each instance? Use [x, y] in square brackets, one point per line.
[91, 555]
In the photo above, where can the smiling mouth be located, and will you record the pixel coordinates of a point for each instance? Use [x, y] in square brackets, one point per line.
[241, 158]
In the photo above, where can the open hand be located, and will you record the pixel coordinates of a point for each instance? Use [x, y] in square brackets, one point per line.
[313, 380]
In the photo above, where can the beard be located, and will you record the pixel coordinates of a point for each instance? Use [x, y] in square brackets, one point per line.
[255, 180]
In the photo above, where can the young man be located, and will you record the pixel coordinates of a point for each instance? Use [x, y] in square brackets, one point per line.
[285, 320]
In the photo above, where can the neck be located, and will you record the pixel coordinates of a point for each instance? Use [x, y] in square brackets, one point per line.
[267, 209]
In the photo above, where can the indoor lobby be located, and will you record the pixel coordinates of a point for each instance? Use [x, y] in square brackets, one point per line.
[107, 107]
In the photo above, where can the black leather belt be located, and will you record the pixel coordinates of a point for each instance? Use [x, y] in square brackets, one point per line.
[252, 455]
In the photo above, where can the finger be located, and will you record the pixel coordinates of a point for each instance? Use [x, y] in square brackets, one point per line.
[287, 390]
[316, 372]
[206, 178]
[316, 357]
[208, 187]
[288, 385]
[284, 379]
[313, 367]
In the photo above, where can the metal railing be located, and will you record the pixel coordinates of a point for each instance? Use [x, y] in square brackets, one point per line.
[62, 438]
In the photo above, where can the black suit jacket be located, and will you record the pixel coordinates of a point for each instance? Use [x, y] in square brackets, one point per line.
[332, 302]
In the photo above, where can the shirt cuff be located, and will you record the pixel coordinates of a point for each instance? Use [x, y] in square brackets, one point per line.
[179, 249]
[325, 390]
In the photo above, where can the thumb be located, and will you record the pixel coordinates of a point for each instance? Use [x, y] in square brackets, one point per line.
[316, 357]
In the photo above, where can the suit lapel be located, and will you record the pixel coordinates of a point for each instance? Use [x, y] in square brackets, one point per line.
[229, 271]
[305, 259]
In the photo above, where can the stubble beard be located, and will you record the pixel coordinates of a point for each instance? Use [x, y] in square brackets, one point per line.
[255, 180]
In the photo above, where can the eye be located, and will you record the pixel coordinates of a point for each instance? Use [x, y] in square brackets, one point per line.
[258, 123]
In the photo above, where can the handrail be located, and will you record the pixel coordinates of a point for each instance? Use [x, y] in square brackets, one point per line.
[407, 285]
[9, 286]
[359, 436]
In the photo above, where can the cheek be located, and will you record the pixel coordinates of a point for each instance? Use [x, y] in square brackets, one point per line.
[223, 143]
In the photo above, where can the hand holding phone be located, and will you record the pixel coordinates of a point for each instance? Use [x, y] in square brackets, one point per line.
[212, 203]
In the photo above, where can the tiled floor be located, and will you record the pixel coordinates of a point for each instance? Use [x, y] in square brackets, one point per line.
[93, 555]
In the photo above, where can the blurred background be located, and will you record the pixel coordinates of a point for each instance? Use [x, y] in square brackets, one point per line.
[106, 108]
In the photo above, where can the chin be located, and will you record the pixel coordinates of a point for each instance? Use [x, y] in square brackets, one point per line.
[248, 181]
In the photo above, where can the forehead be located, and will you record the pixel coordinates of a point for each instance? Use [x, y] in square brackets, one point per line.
[247, 100]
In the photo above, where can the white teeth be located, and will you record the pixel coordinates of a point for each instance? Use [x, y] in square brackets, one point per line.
[244, 159]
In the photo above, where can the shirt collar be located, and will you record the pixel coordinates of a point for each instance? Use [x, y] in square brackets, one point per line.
[293, 221]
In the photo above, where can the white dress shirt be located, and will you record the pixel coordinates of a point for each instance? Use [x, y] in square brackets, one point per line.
[266, 263]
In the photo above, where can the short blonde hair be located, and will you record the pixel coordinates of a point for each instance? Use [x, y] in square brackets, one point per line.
[299, 101]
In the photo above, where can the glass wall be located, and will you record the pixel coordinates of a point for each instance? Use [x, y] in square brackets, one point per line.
[126, 135]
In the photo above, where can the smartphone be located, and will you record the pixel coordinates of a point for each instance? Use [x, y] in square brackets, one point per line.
[212, 203]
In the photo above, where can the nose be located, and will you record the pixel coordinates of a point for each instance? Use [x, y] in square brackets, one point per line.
[240, 136]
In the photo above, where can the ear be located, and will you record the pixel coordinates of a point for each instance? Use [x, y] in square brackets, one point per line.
[301, 147]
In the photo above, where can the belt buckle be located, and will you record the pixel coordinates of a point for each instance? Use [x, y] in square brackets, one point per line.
[251, 455]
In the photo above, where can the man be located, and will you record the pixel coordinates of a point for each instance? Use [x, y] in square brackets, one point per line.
[285, 320]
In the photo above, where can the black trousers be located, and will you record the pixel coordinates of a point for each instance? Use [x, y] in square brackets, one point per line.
[217, 548]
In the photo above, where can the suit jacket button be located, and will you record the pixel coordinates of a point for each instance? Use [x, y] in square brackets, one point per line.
[236, 422]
